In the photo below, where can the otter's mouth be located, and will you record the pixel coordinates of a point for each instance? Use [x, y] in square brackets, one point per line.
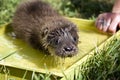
[63, 52]
[66, 52]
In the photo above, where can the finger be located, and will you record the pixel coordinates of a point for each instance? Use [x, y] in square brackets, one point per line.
[106, 24]
[112, 28]
[99, 23]
[119, 25]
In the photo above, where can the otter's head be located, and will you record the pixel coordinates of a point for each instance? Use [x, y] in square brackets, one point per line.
[63, 41]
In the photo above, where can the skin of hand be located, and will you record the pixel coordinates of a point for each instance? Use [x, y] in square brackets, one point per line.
[110, 21]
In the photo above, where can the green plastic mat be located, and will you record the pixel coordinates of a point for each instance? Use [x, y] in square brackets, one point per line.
[17, 54]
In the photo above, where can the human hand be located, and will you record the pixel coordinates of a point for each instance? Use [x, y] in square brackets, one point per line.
[108, 22]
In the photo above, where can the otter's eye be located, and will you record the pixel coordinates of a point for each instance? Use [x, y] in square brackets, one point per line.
[57, 41]
[75, 39]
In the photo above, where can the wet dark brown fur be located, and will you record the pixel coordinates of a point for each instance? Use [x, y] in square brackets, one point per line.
[42, 27]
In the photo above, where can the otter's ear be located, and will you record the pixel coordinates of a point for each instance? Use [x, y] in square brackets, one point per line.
[74, 33]
[45, 32]
[71, 27]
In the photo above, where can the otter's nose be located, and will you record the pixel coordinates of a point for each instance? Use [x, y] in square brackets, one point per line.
[68, 49]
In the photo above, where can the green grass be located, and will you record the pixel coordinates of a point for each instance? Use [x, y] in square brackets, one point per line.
[8, 73]
[104, 64]
[7, 8]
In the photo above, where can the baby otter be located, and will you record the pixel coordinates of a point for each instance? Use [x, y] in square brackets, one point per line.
[43, 28]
